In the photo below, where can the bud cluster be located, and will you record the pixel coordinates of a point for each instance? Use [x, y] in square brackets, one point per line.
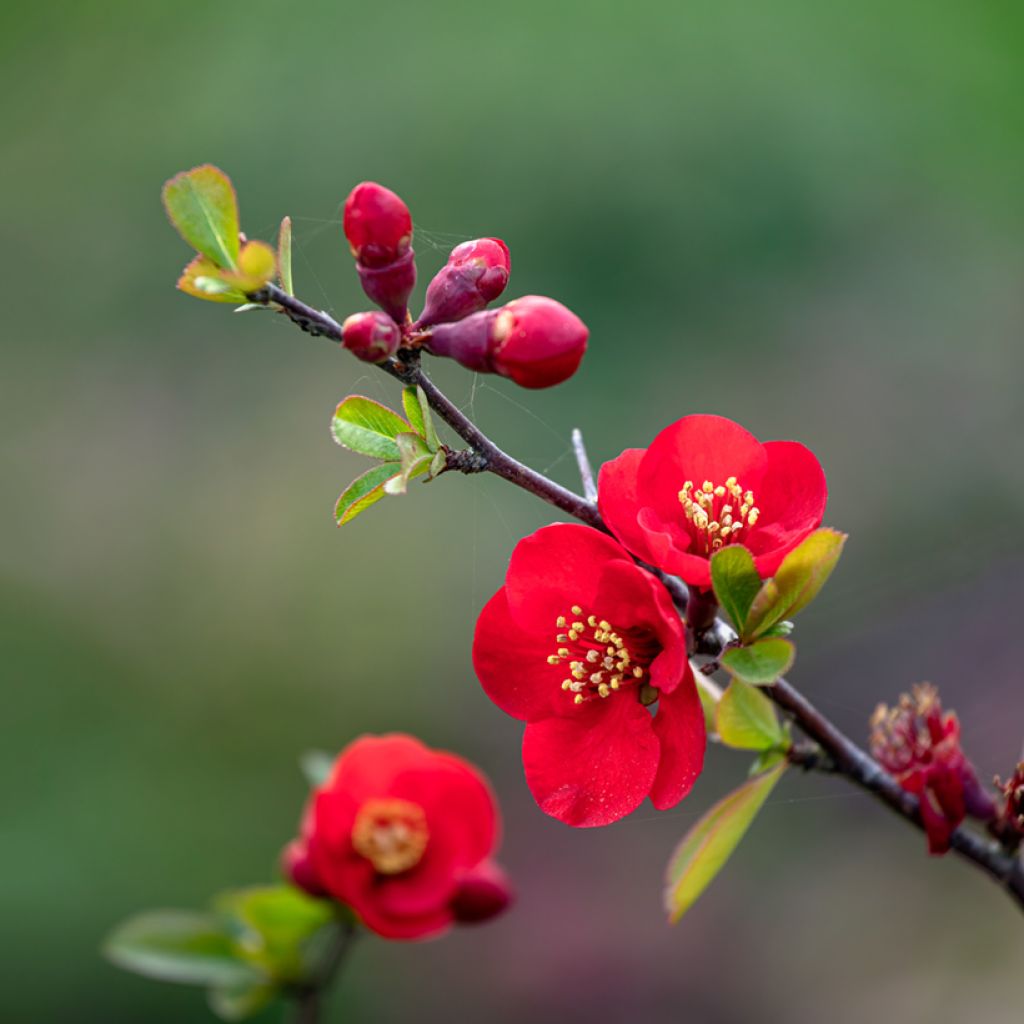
[534, 341]
[920, 745]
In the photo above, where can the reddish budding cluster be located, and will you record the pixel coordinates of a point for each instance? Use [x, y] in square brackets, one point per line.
[534, 341]
[920, 745]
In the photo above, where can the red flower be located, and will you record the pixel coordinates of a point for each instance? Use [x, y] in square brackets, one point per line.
[403, 835]
[920, 746]
[578, 643]
[705, 482]
[377, 224]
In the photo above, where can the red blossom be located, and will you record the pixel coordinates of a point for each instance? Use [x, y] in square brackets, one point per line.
[403, 835]
[579, 643]
[377, 224]
[705, 482]
[920, 745]
[476, 273]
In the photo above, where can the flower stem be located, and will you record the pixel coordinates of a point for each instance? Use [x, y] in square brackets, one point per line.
[308, 1000]
[845, 757]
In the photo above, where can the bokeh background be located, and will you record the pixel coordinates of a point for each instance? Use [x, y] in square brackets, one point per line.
[808, 217]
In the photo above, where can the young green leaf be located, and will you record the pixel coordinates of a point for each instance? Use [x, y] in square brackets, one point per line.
[284, 255]
[746, 719]
[316, 766]
[710, 693]
[761, 662]
[800, 577]
[368, 427]
[236, 1002]
[709, 844]
[202, 279]
[183, 946]
[364, 491]
[413, 410]
[202, 206]
[437, 463]
[735, 582]
[257, 265]
[415, 461]
[429, 433]
[767, 759]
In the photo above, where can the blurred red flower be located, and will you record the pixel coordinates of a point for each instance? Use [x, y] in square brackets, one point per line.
[920, 745]
[704, 483]
[403, 835]
[578, 643]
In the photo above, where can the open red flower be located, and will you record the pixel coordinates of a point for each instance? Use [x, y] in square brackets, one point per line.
[580, 643]
[920, 745]
[403, 835]
[705, 482]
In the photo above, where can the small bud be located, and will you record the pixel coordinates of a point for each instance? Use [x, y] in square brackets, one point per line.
[534, 341]
[372, 337]
[481, 895]
[297, 867]
[377, 224]
[476, 273]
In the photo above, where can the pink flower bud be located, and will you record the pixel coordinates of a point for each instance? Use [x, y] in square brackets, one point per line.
[377, 224]
[481, 895]
[476, 273]
[372, 337]
[297, 867]
[534, 341]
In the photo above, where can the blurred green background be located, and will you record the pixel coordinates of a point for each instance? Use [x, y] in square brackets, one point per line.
[808, 217]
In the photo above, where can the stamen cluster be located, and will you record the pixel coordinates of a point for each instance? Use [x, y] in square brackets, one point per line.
[714, 528]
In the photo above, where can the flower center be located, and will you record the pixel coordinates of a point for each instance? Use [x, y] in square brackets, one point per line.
[718, 512]
[600, 659]
[391, 834]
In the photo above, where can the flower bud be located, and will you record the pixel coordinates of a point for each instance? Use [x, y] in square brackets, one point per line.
[297, 867]
[476, 273]
[534, 341]
[481, 895]
[372, 337]
[377, 224]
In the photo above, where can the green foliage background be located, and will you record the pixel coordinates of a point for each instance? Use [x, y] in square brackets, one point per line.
[808, 217]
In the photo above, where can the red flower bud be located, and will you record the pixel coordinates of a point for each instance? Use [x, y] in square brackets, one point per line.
[476, 273]
[482, 894]
[534, 341]
[372, 337]
[377, 224]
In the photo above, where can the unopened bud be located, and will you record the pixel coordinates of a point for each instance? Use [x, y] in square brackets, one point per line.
[534, 341]
[377, 224]
[372, 337]
[297, 867]
[476, 273]
[481, 895]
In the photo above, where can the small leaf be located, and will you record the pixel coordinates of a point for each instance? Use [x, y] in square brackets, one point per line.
[761, 662]
[416, 461]
[710, 693]
[783, 628]
[429, 433]
[202, 206]
[184, 946]
[316, 766]
[202, 280]
[735, 582]
[709, 844]
[240, 1001]
[746, 719]
[257, 265]
[801, 575]
[284, 255]
[413, 409]
[368, 427]
[364, 491]
[767, 759]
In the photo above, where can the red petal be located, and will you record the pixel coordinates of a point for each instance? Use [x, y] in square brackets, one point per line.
[618, 503]
[554, 568]
[511, 663]
[697, 448]
[595, 767]
[679, 726]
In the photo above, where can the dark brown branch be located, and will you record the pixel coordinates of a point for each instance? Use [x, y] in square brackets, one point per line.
[843, 755]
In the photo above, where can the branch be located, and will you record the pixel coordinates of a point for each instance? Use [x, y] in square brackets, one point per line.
[308, 1000]
[847, 759]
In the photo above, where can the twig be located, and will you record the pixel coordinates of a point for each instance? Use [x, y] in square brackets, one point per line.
[586, 470]
[308, 1000]
[845, 756]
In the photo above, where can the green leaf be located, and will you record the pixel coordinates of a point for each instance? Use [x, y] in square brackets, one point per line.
[316, 766]
[202, 206]
[284, 255]
[761, 662]
[240, 1001]
[709, 844]
[710, 693]
[364, 491]
[801, 575]
[429, 433]
[413, 409]
[437, 463]
[202, 280]
[274, 928]
[746, 719]
[368, 427]
[767, 759]
[735, 582]
[415, 462]
[783, 628]
[257, 265]
[184, 946]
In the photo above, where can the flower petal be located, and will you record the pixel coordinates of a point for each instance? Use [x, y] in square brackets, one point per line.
[595, 767]
[618, 503]
[679, 726]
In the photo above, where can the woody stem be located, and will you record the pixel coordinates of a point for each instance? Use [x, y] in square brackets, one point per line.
[848, 759]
